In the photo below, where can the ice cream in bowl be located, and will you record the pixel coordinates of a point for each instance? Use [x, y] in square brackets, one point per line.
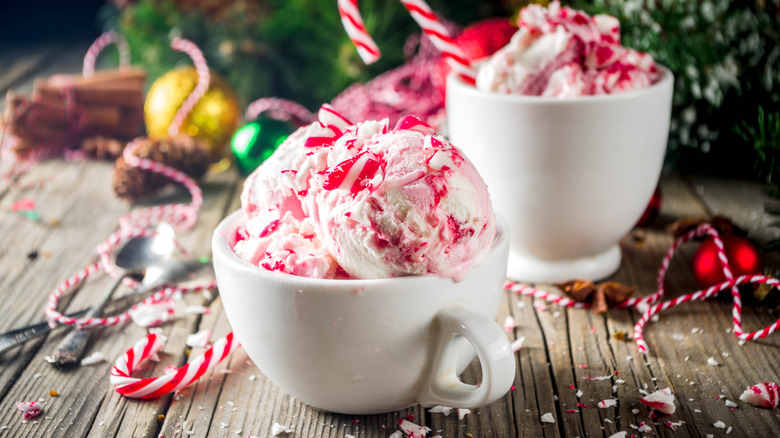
[569, 130]
[365, 269]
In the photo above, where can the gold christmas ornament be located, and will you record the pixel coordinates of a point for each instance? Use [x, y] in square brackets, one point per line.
[212, 120]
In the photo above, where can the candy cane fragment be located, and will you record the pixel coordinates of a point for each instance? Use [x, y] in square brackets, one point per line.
[153, 387]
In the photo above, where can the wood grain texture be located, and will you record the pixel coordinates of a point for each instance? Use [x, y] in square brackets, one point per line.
[563, 348]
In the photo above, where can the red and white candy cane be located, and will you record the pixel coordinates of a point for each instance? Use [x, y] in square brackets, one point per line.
[426, 19]
[88, 70]
[153, 387]
[204, 79]
[649, 306]
[280, 109]
[353, 24]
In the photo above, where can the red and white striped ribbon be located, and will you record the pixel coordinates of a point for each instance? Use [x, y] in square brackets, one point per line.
[548, 296]
[430, 24]
[179, 215]
[132, 225]
[136, 224]
[153, 387]
[280, 109]
[88, 70]
[649, 306]
[204, 79]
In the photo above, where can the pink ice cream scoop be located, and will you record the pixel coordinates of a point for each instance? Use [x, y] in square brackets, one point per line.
[343, 200]
[561, 52]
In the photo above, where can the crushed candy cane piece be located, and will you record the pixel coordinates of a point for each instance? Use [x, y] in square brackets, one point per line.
[440, 410]
[579, 393]
[277, 429]
[713, 362]
[548, 418]
[463, 412]
[199, 339]
[730, 404]
[413, 430]
[149, 315]
[608, 403]
[396, 434]
[621, 434]
[30, 409]
[597, 378]
[672, 425]
[518, 344]
[197, 310]
[645, 428]
[95, 357]
[719, 424]
[765, 395]
[661, 401]
[509, 323]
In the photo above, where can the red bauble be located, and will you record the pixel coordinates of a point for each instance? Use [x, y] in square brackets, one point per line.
[743, 258]
[478, 40]
[652, 210]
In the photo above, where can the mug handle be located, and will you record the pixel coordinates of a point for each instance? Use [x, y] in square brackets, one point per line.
[442, 386]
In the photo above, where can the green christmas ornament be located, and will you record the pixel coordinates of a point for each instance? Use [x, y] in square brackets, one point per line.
[254, 142]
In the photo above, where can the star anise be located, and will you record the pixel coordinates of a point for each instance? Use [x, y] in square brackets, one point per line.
[600, 296]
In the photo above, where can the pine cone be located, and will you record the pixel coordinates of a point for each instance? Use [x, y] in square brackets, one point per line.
[102, 148]
[182, 153]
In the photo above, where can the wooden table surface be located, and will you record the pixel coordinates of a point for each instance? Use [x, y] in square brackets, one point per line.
[562, 346]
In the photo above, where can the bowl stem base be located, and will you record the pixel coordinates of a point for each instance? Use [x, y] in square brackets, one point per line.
[526, 269]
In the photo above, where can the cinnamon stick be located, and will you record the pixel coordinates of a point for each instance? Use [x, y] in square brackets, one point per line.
[124, 97]
[129, 77]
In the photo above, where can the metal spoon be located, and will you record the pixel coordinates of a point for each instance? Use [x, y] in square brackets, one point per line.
[133, 258]
[179, 272]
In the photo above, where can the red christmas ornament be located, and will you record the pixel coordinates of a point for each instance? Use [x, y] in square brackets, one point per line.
[478, 40]
[743, 259]
[652, 210]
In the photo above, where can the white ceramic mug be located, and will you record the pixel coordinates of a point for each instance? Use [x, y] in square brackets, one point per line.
[571, 176]
[369, 346]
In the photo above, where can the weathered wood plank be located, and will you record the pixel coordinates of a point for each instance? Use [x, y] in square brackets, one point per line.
[495, 420]
[743, 202]
[19, 63]
[135, 418]
[25, 288]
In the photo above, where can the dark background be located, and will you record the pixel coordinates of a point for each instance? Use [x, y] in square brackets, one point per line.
[27, 21]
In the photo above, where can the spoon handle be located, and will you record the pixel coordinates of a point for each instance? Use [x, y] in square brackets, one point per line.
[11, 339]
[70, 349]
